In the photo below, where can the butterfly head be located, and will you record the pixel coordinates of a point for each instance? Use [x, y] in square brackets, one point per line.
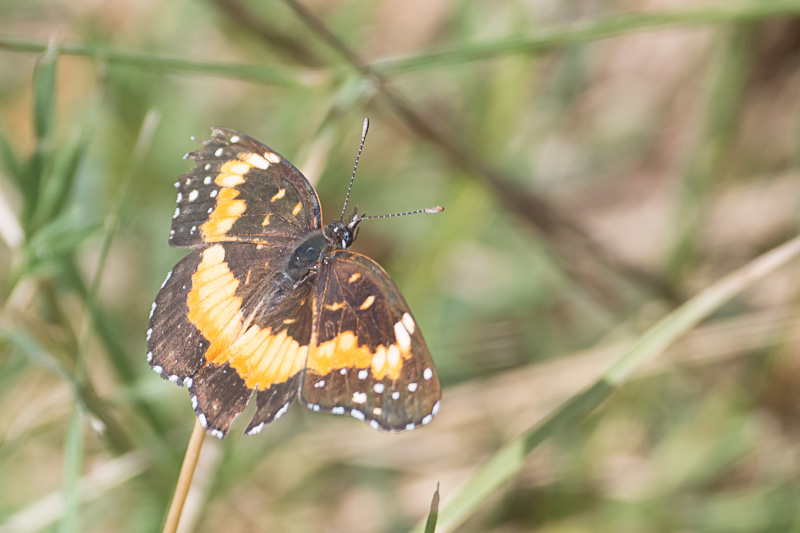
[343, 234]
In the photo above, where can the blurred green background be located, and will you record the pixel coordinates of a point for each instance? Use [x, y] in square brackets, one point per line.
[600, 163]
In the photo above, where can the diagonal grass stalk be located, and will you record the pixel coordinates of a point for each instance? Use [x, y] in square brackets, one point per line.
[510, 459]
[589, 31]
[540, 41]
[267, 74]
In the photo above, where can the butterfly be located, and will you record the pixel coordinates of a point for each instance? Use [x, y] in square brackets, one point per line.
[270, 302]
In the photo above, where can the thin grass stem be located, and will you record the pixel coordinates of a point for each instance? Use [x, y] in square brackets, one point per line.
[185, 478]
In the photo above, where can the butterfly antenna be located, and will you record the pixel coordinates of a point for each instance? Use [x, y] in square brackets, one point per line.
[364, 130]
[437, 209]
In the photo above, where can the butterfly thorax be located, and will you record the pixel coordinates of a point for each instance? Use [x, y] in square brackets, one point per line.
[306, 255]
[313, 249]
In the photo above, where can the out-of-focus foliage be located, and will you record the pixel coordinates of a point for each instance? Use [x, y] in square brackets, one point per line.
[600, 163]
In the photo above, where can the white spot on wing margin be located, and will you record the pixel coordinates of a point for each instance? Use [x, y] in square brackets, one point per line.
[282, 411]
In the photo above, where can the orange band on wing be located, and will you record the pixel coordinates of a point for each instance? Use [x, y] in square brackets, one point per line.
[228, 208]
[224, 215]
[264, 359]
[261, 358]
[214, 308]
[343, 351]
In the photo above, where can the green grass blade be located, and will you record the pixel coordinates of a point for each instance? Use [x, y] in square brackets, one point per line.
[59, 182]
[13, 367]
[73, 449]
[112, 222]
[688, 315]
[723, 105]
[29, 347]
[44, 89]
[143, 142]
[95, 410]
[45, 251]
[108, 332]
[12, 165]
[433, 515]
[509, 460]
[556, 37]
[583, 32]
[269, 75]
[117, 355]
[103, 478]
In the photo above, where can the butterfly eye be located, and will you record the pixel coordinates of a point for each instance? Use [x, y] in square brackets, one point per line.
[347, 239]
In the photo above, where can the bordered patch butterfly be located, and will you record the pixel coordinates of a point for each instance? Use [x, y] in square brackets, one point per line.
[271, 301]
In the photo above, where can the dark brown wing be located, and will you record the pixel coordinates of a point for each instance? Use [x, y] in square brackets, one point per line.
[241, 190]
[227, 322]
[367, 357]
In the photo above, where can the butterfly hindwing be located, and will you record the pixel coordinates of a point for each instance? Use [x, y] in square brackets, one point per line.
[175, 345]
[228, 322]
[275, 367]
[367, 357]
[241, 190]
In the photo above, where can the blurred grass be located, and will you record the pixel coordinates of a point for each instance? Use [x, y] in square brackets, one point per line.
[73, 460]
[509, 460]
[711, 149]
[599, 164]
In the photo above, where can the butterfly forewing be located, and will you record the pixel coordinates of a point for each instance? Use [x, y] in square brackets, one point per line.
[367, 357]
[227, 322]
[241, 190]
